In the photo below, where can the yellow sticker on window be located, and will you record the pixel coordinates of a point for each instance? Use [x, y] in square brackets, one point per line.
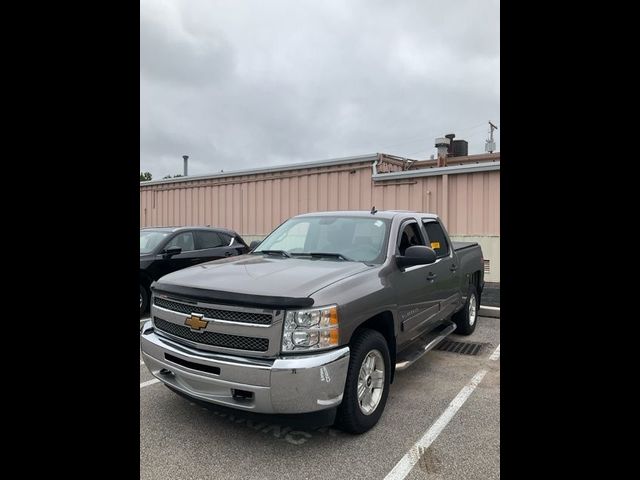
[435, 245]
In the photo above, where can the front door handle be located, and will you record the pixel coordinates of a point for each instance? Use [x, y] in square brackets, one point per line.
[453, 268]
[431, 277]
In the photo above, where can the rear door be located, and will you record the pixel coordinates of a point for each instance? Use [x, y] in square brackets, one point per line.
[445, 267]
[418, 288]
[212, 245]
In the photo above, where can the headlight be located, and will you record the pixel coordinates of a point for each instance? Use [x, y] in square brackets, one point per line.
[312, 329]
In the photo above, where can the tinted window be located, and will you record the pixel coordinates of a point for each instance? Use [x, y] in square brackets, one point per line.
[182, 240]
[409, 237]
[209, 240]
[437, 238]
[226, 238]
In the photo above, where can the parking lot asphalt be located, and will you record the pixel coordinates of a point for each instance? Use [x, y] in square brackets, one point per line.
[183, 440]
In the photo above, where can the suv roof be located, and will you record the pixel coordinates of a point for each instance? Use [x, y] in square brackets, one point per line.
[176, 229]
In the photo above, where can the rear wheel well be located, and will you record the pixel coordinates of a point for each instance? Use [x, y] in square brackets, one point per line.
[383, 323]
[475, 281]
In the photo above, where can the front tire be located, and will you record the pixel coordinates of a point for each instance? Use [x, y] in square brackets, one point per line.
[467, 318]
[367, 386]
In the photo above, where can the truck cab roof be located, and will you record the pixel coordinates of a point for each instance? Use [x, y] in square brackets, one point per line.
[388, 214]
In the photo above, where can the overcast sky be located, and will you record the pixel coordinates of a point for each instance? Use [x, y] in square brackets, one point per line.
[242, 84]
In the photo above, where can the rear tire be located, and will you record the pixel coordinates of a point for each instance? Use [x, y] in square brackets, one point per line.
[467, 318]
[144, 299]
[357, 414]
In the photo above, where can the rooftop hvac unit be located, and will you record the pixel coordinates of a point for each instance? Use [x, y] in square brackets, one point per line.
[460, 148]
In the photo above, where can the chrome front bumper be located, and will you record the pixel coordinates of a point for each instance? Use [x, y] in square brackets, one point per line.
[300, 384]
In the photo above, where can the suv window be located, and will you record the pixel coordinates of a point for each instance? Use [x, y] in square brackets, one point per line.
[209, 240]
[182, 240]
[437, 238]
[409, 237]
[226, 239]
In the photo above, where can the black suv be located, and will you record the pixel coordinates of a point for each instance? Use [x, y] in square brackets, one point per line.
[167, 249]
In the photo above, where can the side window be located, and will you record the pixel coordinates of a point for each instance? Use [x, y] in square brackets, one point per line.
[437, 238]
[182, 240]
[209, 240]
[226, 239]
[409, 237]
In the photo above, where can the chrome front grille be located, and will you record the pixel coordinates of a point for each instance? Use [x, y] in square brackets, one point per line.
[214, 339]
[232, 329]
[228, 315]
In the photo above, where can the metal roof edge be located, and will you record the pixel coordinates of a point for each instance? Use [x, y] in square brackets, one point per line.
[274, 168]
[430, 172]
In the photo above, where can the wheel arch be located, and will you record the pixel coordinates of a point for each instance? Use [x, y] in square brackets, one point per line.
[384, 324]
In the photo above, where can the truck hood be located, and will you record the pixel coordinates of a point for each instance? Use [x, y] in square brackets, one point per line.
[264, 275]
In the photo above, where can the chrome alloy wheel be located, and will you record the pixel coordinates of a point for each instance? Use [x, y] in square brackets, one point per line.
[370, 382]
[472, 310]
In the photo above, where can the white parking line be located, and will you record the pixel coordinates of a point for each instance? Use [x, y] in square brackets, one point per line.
[149, 382]
[141, 362]
[406, 463]
[496, 354]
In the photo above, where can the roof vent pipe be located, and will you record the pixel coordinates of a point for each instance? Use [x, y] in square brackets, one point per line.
[450, 136]
[442, 144]
[185, 158]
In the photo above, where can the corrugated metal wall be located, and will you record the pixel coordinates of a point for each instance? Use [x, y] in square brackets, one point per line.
[254, 204]
[469, 203]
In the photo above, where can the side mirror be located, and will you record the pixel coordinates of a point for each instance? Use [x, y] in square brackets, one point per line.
[416, 255]
[171, 251]
[254, 244]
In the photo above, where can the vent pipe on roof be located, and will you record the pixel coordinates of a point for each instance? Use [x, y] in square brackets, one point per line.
[185, 158]
[450, 136]
[442, 144]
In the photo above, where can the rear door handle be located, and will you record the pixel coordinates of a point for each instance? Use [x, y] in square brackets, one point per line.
[453, 268]
[431, 277]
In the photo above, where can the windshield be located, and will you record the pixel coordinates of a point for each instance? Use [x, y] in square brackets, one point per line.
[150, 239]
[352, 238]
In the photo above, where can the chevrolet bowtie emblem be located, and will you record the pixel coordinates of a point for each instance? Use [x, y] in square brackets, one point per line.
[195, 322]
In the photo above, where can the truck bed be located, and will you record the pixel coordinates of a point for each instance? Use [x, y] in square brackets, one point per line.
[457, 246]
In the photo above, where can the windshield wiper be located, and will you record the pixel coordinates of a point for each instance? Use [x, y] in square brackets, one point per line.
[323, 254]
[275, 252]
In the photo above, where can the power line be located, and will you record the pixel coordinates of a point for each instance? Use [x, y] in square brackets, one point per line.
[429, 138]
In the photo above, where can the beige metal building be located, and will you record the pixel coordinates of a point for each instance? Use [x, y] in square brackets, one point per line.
[465, 193]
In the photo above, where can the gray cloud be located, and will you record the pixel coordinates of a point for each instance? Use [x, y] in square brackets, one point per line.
[248, 83]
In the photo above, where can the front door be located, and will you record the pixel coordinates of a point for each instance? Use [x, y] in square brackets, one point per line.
[418, 288]
[186, 258]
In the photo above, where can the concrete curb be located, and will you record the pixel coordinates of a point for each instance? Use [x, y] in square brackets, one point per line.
[493, 312]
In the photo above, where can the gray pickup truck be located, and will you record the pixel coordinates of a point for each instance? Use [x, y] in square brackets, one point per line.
[317, 317]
